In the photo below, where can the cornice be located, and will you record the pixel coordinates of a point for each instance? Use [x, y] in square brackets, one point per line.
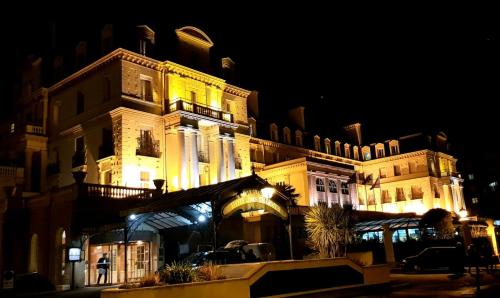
[173, 67]
[114, 55]
[397, 157]
[231, 89]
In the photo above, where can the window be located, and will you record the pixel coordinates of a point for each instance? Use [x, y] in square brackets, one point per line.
[366, 153]
[320, 185]
[106, 92]
[386, 198]
[144, 179]
[317, 143]
[12, 127]
[397, 170]
[436, 192]
[337, 148]
[193, 97]
[141, 257]
[367, 156]
[356, 152]
[298, 138]
[345, 188]
[400, 194]
[80, 102]
[328, 148]
[79, 144]
[380, 153]
[332, 186]
[471, 176]
[394, 145]
[416, 192]
[146, 89]
[383, 172]
[475, 200]
[394, 150]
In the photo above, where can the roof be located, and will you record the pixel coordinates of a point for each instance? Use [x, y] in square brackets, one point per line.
[394, 224]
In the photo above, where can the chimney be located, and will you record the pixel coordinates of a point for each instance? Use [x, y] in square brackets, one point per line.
[296, 117]
[106, 39]
[354, 132]
[146, 36]
[253, 104]
[228, 70]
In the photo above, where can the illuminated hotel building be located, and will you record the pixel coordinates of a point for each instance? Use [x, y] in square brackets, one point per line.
[128, 121]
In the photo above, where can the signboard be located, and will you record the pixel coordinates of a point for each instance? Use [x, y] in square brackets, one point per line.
[74, 254]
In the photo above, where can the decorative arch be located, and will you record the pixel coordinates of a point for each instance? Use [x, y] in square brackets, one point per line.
[253, 200]
[196, 33]
[33, 257]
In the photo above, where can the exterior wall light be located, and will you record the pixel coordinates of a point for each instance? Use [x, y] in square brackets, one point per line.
[463, 213]
[132, 216]
[267, 192]
[202, 218]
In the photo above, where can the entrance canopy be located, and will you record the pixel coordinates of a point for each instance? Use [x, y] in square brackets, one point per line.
[393, 223]
[184, 207]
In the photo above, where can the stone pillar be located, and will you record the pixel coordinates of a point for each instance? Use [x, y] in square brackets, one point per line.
[183, 171]
[490, 230]
[195, 175]
[230, 159]
[221, 160]
[389, 248]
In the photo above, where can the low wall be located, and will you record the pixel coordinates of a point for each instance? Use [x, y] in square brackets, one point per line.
[269, 279]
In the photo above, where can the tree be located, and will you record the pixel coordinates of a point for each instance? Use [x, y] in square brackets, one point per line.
[329, 229]
[439, 220]
[288, 191]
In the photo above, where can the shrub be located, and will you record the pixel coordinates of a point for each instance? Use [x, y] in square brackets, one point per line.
[149, 281]
[209, 272]
[177, 273]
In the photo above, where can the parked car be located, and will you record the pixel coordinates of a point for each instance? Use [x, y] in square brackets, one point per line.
[262, 251]
[431, 258]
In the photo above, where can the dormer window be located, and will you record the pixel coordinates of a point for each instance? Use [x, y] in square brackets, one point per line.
[347, 150]
[252, 127]
[274, 132]
[394, 145]
[356, 152]
[328, 147]
[317, 143]
[337, 148]
[286, 135]
[379, 149]
[298, 138]
[366, 153]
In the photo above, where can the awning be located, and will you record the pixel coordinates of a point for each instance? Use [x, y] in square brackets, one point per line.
[394, 224]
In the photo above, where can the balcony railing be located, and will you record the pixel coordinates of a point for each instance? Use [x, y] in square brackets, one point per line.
[99, 191]
[105, 151]
[35, 129]
[183, 105]
[203, 157]
[11, 171]
[148, 147]
[450, 173]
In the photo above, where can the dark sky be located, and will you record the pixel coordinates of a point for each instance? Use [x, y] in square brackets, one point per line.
[394, 69]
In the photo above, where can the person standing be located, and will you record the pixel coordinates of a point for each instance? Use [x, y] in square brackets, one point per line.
[102, 267]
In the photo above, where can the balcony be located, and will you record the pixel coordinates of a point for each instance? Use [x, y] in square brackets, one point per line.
[180, 104]
[148, 147]
[450, 174]
[6, 171]
[35, 129]
[106, 151]
[98, 191]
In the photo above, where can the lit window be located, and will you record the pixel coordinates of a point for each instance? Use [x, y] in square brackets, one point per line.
[471, 176]
[12, 127]
[332, 186]
[493, 185]
[320, 185]
[367, 156]
[145, 179]
[344, 188]
[475, 200]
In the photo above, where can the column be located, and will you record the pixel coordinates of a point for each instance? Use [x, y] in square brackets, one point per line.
[195, 175]
[183, 172]
[221, 159]
[389, 248]
[230, 159]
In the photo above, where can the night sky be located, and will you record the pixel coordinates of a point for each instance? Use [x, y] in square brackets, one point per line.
[397, 70]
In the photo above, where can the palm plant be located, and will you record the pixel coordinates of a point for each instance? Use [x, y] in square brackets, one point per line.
[329, 229]
[288, 191]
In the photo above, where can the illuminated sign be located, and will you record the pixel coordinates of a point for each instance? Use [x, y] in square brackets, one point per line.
[253, 200]
[74, 254]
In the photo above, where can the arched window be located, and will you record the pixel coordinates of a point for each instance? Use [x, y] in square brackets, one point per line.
[320, 185]
[328, 148]
[345, 188]
[33, 260]
[332, 186]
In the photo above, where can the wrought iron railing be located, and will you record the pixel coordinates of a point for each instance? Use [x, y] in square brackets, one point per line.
[99, 191]
[148, 147]
[180, 104]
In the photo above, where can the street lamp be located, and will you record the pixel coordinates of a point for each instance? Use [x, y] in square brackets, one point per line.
[463, 213]
[267, 192]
